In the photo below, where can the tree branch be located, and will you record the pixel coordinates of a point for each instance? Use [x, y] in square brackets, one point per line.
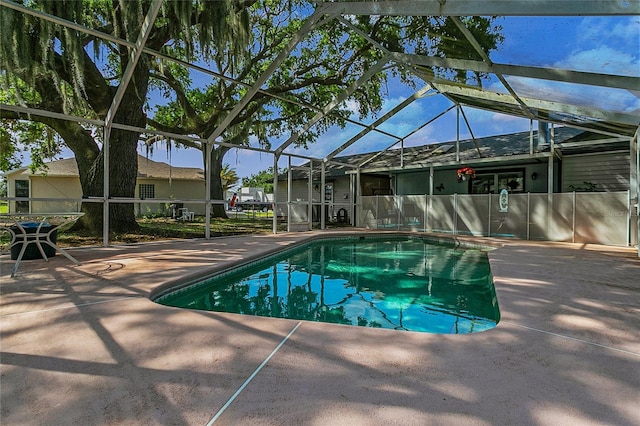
[172, 82]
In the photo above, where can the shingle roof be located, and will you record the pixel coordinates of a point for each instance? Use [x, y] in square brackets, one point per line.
[147, 168]
[490, 147]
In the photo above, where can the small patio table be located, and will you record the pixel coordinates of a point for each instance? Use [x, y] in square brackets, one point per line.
[48, 223]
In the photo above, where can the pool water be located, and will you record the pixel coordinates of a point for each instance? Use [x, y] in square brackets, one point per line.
[398, 283]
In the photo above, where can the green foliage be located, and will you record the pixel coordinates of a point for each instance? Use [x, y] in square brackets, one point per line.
[325, 62]
[229, 178]
[262, 179]
[44, 65]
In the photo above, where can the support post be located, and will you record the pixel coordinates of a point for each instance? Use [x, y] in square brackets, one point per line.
[275, 196]
[489, 217]
[430, 180]
[352, 180]
[455, 213]
[323, 220]
[528, 216]
[458, 134]
[634, 183]
[356, 196]
[549, 195]
[310, 196]
[208, 149]
[531, 137]
[289, 182]
[573, 218]
[105, 188]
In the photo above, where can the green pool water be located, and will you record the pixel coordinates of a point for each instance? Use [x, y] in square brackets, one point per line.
[398, 283]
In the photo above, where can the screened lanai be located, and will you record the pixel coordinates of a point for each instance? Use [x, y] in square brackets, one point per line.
[429, 97]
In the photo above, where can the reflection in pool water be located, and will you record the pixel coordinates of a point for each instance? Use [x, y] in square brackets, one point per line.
[399, 283]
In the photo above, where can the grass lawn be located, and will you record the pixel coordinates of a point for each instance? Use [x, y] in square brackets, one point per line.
[157, 229]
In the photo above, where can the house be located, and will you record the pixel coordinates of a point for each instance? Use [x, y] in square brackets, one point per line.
[59, 188]
[415, 187]
[520, 162]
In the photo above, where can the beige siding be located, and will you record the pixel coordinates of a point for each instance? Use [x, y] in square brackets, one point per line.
[176, 189]
[60, 187]
[608, 172]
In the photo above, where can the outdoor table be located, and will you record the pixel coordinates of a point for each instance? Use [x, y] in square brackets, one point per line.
[48, 223]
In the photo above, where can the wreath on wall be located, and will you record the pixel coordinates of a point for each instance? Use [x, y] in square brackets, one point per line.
[465, 172]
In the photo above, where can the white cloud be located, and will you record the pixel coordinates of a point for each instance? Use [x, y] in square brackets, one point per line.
[603, 59]
[629, 31]
[612, 30]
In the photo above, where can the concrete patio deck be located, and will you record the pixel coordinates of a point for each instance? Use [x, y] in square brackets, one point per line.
[85, 345]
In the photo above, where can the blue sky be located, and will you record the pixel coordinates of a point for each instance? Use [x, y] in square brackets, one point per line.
[592, 44]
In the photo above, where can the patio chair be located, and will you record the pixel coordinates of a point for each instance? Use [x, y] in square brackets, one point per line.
[185, 215]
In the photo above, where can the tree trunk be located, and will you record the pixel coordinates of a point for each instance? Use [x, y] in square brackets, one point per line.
[216, 193]
[123, 167]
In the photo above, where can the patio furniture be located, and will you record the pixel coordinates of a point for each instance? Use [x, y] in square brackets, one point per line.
[35, 228]
[184, 214]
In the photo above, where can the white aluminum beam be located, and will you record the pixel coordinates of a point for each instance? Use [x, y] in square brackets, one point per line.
[377, 67]
[550, 106]
[475, 142]
[552, 74]
[453, 163]
[417, 95]
[485, 57]
[377, 154]
[488, 7]
[134, 56]
[160, 55]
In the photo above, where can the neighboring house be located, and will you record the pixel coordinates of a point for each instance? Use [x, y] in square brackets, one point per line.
[61, 181]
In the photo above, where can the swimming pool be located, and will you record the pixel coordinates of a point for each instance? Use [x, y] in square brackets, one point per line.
[398, 282]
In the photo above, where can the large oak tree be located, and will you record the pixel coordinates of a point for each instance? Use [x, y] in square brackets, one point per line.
[327, 61]
[48, 66]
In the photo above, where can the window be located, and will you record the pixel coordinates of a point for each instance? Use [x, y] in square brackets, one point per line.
[22, 190]
[146, 190]
[493, 183]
